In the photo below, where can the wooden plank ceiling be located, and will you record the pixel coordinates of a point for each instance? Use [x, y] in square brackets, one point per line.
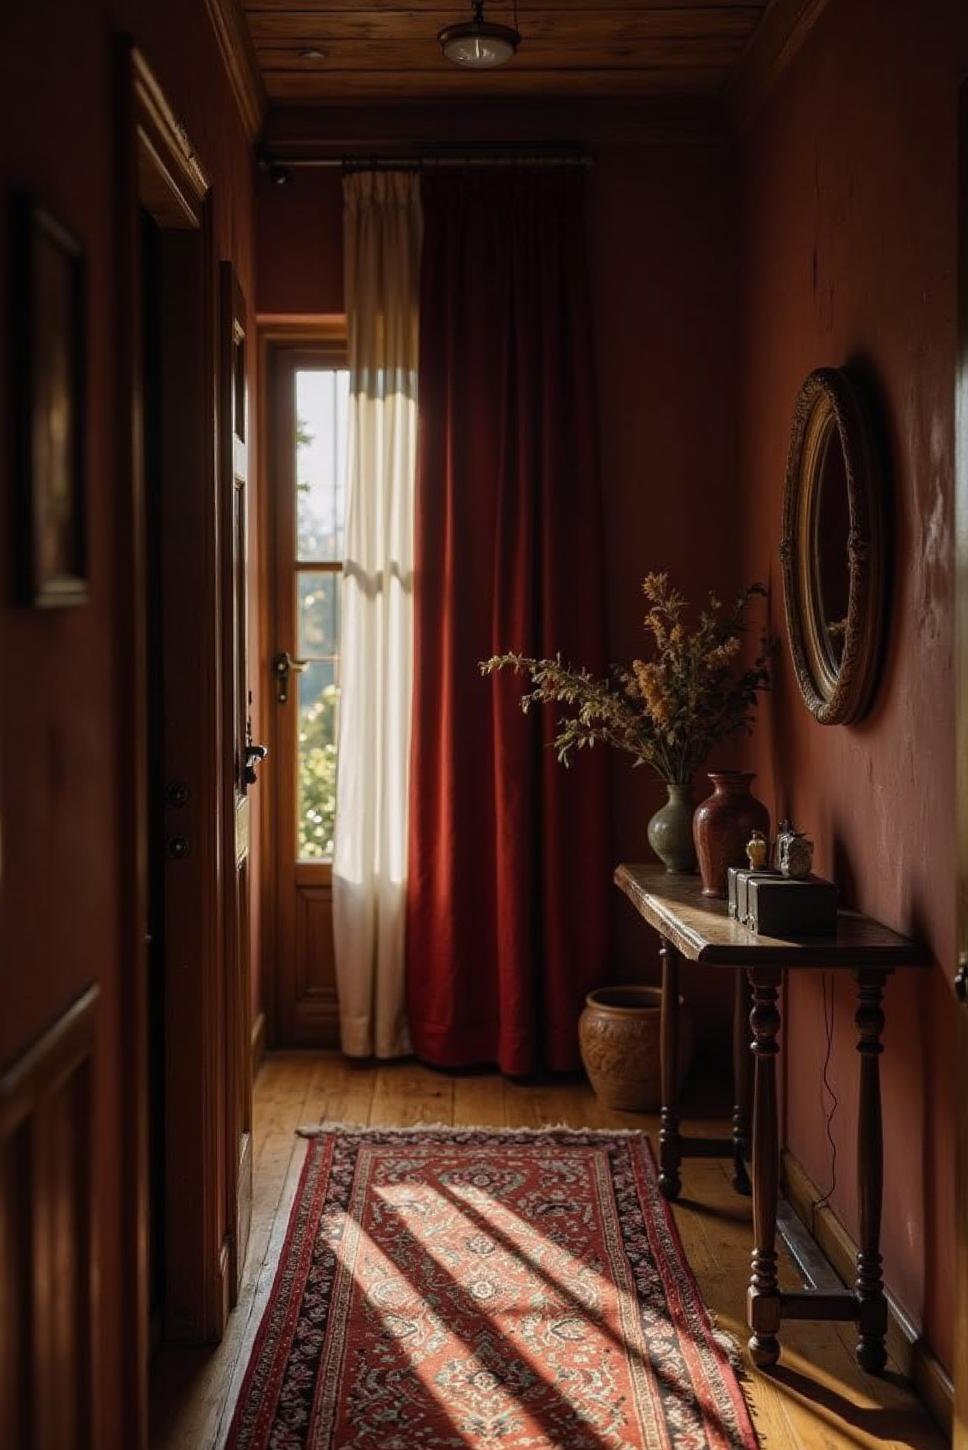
[344, 51]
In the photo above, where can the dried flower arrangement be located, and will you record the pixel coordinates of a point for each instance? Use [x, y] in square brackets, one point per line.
[669, 711]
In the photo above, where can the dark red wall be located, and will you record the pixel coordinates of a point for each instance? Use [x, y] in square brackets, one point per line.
[849, 186]
[663, 261]
[60, 672]
[299, 243]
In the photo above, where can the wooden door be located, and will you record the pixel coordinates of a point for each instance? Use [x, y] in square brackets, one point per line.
[242, 759]
[308, 421]
[960, 1005]
[175, 1032]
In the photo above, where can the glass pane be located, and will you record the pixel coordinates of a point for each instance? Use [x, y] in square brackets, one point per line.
[317, 614]
[316, 764]
[322, 406]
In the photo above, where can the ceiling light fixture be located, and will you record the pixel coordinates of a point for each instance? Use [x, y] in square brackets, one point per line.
[477, 44]
[312, 54]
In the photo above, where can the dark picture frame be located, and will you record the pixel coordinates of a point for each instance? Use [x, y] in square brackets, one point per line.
[48, 327]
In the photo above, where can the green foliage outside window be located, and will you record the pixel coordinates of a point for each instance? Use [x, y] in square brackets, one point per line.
[318, 637]
[317, 775]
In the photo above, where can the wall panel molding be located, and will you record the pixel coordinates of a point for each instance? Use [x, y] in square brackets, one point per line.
[48, 1264]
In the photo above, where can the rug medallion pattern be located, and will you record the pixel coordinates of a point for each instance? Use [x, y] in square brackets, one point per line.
[443, 1289]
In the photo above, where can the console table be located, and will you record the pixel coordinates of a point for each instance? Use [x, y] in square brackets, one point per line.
[699, 929]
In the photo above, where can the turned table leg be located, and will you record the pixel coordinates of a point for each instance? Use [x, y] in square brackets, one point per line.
[670, 1143]
[871, 1303]
[763, 1297]
[742, 1081]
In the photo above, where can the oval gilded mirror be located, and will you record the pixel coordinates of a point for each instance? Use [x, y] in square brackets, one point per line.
[832, 549]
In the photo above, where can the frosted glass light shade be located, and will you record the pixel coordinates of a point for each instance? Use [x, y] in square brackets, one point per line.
[478, 45]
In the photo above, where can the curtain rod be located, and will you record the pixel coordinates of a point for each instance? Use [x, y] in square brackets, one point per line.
[278, 167]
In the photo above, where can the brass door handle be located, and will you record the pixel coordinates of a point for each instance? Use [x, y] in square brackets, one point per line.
[282, 667]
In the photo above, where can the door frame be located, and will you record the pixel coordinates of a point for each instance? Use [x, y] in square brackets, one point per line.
[960, 1440]
[278, 335]
[158, 170]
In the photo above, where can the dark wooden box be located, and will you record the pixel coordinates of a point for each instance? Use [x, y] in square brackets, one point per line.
[776, 905]
[737, 890]
[782, 906]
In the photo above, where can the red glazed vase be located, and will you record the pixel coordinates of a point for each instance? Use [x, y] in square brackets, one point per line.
[723, 824]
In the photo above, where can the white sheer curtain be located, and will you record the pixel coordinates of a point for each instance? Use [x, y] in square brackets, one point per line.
[382, 233]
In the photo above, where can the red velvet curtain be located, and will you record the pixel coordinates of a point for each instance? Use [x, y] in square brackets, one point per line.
[509, 868]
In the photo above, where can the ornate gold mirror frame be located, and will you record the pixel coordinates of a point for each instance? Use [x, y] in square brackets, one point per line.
[835, 661]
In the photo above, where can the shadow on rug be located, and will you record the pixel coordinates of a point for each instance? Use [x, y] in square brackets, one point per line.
[442, 1288]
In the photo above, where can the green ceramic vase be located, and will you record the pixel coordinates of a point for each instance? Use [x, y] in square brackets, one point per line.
[670, 830]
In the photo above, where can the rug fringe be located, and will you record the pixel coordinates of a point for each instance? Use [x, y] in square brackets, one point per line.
[732, 1347]
[316, 1130]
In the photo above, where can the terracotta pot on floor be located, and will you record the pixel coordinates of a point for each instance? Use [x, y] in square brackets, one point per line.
[619, 1037]
[722, 826]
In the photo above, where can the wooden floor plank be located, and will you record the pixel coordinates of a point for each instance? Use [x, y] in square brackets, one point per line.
[816, 1399]
[342, 1092]
[479, 1101]
[407, 1094]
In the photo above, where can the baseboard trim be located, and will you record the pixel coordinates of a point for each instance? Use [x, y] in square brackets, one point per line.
[910, 1353]
[258, 1043]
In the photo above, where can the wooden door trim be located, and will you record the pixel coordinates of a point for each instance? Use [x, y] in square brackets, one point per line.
[961, 768]
[172, 183]
[132, 748]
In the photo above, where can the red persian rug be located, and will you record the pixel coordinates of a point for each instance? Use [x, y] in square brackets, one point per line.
[445, 1288]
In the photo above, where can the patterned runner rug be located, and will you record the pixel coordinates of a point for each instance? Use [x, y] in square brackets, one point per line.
[446, 1288]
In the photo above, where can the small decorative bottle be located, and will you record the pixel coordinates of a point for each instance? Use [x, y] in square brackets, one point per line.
[757, 851]
[796, 857]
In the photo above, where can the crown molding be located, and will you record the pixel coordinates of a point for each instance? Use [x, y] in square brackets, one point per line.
[238, 54]
[772, 46]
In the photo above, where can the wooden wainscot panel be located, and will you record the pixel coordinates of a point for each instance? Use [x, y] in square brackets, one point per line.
[317, 1013]
[48, 1269]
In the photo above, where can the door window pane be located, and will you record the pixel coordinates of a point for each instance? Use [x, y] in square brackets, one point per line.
[317, 614]
[322, 404]
[317, 743]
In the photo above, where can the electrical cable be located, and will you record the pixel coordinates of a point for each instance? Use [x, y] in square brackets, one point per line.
[833, 1101]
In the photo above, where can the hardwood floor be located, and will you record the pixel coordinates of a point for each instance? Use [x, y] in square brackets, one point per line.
[817, 1398]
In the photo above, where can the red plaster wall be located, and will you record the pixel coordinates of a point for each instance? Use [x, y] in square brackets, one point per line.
[299, 243]
[60, 672]
[663, 263]
[850, 256]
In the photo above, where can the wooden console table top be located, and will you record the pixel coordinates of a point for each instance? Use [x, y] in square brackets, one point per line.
[701, 930]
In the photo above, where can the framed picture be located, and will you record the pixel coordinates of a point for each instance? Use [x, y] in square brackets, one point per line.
[49, 424]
